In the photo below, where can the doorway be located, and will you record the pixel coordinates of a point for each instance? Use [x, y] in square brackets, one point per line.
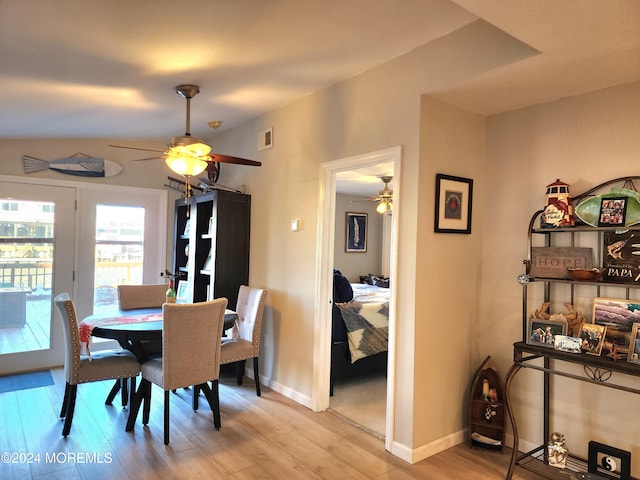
[325, 264]
[37, 228]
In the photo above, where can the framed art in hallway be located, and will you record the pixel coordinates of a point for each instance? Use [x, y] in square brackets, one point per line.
[356, 228]
[454, 197]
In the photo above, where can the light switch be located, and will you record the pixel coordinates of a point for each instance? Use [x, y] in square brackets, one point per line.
[296, 225]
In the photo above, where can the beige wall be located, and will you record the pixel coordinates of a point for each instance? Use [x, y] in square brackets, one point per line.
[354, 264]
[370, 112]
[584, 141]
[448, 268]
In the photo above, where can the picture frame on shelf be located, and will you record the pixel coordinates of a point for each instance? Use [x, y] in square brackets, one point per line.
[609, 462]
[356, 232]
[592, 336]
[620, 257]
[568, 344]
[542, 332]
[182, 293]
[613, 211]
[454, 199]
[634, 345]
[616, 313]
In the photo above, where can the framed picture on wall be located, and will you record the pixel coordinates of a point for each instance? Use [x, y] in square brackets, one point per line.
[356, 228]
[454, 196]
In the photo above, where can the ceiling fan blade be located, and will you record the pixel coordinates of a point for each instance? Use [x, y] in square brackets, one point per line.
[137, 148]
[237, 160]
[157, 157]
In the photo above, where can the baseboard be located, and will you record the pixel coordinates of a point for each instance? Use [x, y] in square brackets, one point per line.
[437, 446]
[283, 390]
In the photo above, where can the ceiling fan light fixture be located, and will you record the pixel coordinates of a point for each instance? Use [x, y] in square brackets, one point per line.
[189, 145]
[186, 165]
[385, 206]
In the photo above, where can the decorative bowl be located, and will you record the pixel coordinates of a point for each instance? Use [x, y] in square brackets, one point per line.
[585, 274]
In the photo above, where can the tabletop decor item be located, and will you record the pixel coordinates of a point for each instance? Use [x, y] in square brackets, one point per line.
[557, 448]
[585, 274]
[552, 262]
[609, 462]
[171, 292]
[597, 210]
[558, 212]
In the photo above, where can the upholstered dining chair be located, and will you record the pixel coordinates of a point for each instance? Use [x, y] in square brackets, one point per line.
[191, 339]
[104, 365]
[245, 340]
[132, 297]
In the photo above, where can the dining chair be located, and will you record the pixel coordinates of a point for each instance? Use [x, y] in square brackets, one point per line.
[245, 339]
[132, 297]
[104, 365]
[191, 341]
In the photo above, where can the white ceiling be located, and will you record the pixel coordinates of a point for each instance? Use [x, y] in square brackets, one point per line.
[108, 68]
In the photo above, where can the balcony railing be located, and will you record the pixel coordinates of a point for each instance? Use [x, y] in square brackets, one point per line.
[36, 274]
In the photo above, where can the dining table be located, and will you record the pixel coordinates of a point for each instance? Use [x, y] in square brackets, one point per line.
[132, 329]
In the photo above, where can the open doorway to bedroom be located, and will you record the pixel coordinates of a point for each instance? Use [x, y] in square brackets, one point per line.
[358, 378]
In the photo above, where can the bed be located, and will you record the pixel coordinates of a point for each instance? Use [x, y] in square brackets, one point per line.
[359, 333]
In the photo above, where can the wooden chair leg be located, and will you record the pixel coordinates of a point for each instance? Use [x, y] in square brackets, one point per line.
[213, 397]
[240, 370]
[125, 391]
[136, 401]
[112, 394]
[166, 417]
[132, 390]
[196, 394]
[147, 403]
[71, 405]
[256, 374]
[65, 400]
[134, 408]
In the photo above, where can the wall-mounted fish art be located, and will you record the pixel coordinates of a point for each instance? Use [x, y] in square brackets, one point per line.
[78, 164]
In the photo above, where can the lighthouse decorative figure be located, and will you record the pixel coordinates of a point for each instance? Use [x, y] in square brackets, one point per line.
[559, 211]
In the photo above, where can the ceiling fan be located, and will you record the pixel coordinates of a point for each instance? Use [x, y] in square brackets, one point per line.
[189, 156]
[384, 197]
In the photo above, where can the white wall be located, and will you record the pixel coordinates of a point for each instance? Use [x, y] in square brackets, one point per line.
[584, 141]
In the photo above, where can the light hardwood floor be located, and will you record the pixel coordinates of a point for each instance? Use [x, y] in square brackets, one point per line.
[270, 437]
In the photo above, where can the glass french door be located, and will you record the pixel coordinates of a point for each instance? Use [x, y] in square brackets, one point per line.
[37, 248]
[123, 234]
